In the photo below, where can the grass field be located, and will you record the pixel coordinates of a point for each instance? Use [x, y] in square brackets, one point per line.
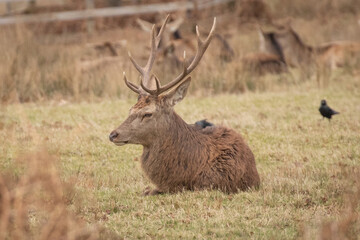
[309, 167]
[61, 177]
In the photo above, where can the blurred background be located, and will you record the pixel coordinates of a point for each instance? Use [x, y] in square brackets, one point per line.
[78, 49]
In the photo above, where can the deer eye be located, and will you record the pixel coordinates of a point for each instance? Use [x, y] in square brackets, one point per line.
[147, 115]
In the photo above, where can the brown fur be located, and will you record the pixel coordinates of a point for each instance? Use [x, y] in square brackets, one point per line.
[269, 44]
[179, 156]
[335, 54]
[262, 63]
[294, 51]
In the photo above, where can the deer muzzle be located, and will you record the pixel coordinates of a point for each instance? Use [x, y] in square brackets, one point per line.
[113, 138]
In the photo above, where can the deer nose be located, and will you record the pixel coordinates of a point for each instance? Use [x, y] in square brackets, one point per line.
[113, 135]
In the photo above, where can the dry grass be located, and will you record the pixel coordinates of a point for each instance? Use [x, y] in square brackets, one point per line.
[34, 203]
[319, 9]
[42, 67]
[82, 186]
[308, 166]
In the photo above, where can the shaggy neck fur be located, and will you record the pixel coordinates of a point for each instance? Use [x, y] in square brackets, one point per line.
[174, 158]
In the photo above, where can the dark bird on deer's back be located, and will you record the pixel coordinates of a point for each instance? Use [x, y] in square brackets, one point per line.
[326, 111]
[203, 123]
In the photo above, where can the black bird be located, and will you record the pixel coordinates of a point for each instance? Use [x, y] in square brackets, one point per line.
[326, 111]
[203, 124]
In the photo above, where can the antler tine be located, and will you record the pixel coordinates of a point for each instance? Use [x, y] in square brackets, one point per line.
[145, 71]
[158, 85]
[142, 70]
[131, 85]
[158, 38]
[136, 65]
[154, 47]
[152, 92]
[202, 46]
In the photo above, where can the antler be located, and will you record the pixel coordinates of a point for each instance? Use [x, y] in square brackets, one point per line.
[145, 71]
[202, 46]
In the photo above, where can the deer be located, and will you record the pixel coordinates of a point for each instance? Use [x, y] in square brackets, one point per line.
[270, 59]
[298, 54]
[178, 156]
[262, 63]
[107, 53]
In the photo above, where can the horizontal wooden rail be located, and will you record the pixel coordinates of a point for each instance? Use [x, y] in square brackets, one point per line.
[108, 12]
[11, 1]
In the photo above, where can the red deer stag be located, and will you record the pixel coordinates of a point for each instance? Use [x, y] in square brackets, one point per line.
[177, 155]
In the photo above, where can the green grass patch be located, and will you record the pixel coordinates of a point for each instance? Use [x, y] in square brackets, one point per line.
[306, 165]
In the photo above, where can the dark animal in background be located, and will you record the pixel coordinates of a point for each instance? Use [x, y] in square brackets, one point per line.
[203, 124]
[326, 111]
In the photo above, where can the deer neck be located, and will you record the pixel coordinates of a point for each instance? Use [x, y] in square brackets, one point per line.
[178, 153]
[177, 138]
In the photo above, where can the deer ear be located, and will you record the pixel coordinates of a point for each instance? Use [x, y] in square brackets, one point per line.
[261, 36]
[179, 93]
[175, 25]
[144, 25]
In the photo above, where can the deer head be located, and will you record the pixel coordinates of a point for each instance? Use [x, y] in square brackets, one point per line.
[269, 44]
[152, 115]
